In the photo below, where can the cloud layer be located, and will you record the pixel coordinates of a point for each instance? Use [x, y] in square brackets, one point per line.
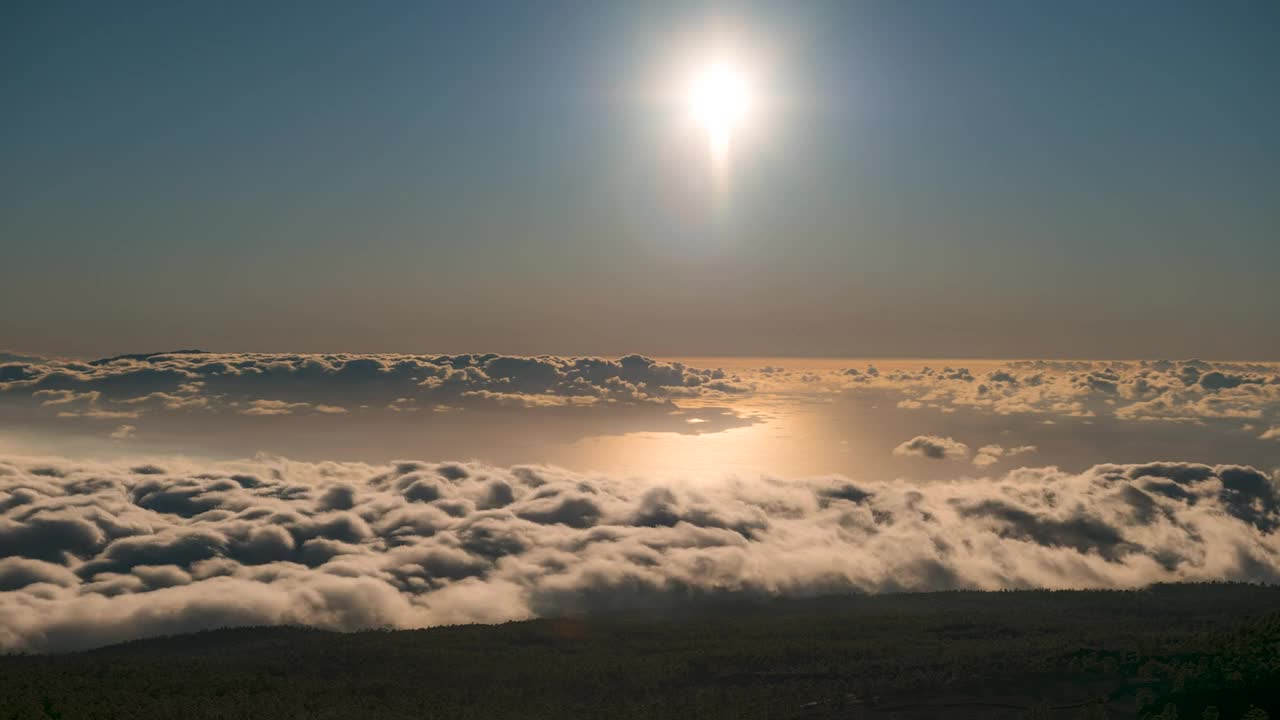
[1161, 390]
[283, 384]
[93, 553]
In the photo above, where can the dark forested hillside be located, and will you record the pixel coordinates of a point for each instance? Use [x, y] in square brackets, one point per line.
[1188, 651]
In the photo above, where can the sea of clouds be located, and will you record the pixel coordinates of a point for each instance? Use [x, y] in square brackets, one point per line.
[99, 551]
[93, 553]
[286, 384]
[1191, 391]
[129, 387]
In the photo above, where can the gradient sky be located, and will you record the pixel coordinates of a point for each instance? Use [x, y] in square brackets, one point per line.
[934, 178]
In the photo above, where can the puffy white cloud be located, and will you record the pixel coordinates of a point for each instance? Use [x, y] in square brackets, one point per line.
[98, 552]
[933, 447]
[992, 454]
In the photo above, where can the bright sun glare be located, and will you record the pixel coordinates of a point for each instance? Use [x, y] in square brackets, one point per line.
[719, 101]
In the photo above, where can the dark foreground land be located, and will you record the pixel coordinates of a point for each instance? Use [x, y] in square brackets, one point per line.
[1192, 649]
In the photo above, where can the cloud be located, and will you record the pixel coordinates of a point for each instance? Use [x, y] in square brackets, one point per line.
[288, 384]
[10, 359]
[531, 400]
[124, 432]
[933, 447]
[992, 454]
[273, 407]
[1271, 433]
[98, 414]
[1162, 390]
[197, 383]
[99, 552]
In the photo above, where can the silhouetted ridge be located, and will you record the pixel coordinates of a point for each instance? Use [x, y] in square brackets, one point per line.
[1014, 654]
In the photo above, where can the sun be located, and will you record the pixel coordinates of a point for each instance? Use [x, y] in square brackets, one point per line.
[719, 100]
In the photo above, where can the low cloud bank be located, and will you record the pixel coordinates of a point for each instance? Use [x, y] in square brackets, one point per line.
[289, 384]
[128, 387]
[95, 553]
[1188, 391]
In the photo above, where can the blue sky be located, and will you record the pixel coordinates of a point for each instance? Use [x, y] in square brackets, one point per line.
[935, 179]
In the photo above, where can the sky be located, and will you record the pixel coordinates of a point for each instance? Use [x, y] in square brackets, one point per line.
[923, 179]
[169, 493]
